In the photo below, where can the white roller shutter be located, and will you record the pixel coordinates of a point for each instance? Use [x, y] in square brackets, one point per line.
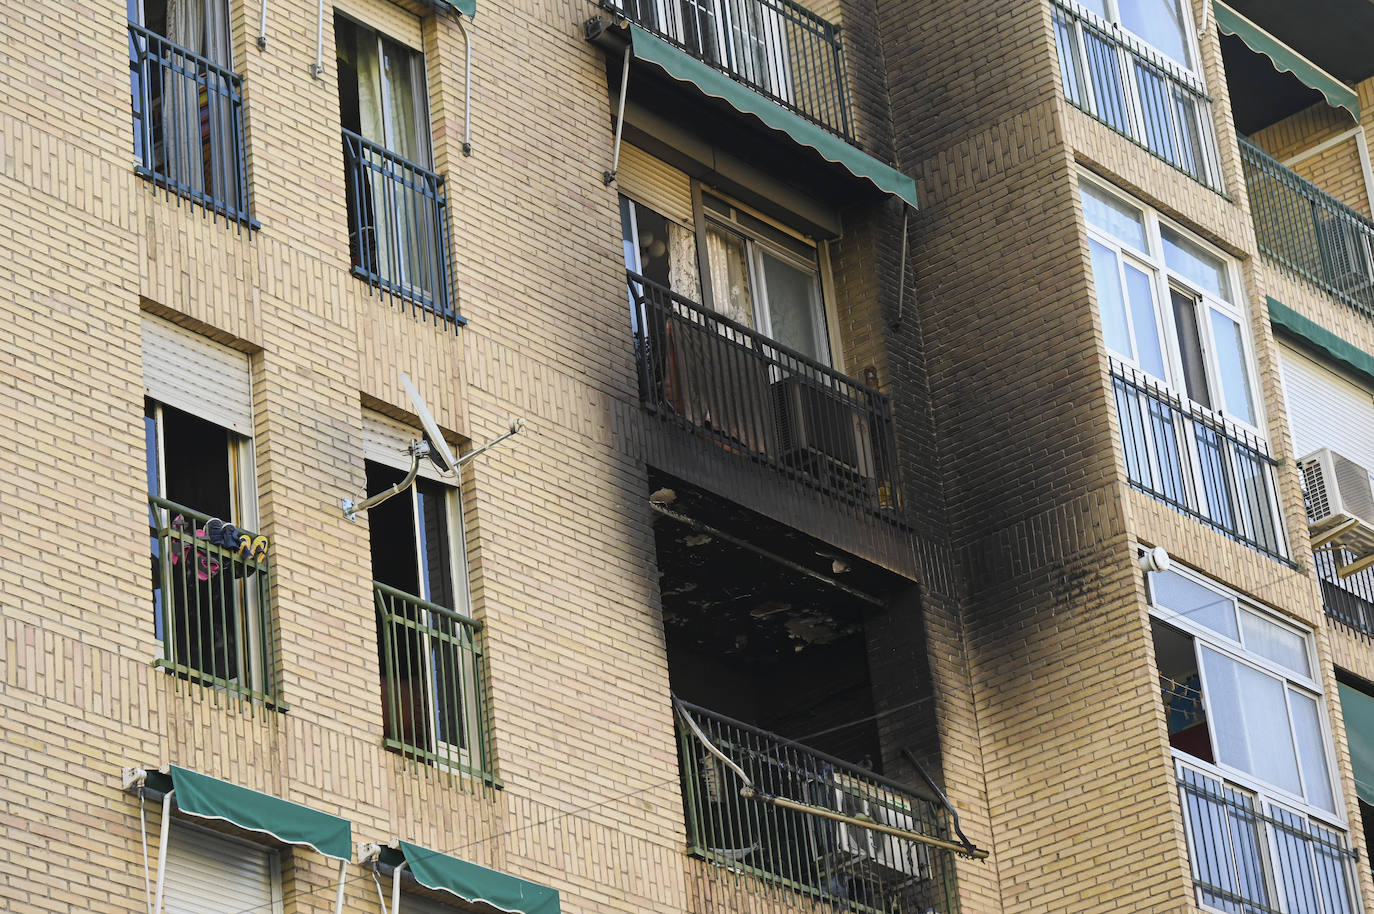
[197, 375]
[387, 442]
[210, 873]
[656, 184]
[1327, 409]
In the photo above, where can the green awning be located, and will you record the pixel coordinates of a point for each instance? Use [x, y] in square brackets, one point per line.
[461, 7]
[292, 823]
[473, 883]
[1287, 60]
[1358, 710]
[712, 82]
[1313, 336]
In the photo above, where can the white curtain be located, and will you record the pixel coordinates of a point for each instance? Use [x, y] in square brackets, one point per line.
[729, 272]
[181, 137]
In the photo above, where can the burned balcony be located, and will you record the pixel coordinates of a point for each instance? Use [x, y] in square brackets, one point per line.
[794, 816]
[746, 395]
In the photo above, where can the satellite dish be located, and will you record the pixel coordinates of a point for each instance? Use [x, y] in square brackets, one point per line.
[439, 452]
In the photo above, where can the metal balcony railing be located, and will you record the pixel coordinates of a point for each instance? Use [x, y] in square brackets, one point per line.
[188, 124]
[1308, 231]
[1138, 92]
[212, 601]
[1254, 856]
[753, 396]
[1198, 462]
[398, 226]
[1349, 601]
[790, 815]
[433, 683]
[777, 48]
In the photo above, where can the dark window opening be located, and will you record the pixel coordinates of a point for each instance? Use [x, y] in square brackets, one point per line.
[1181, 685]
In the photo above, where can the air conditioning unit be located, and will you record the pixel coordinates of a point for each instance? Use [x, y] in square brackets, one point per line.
[888, 853]
[1346, 253]
[818, 422]
[1338, 490]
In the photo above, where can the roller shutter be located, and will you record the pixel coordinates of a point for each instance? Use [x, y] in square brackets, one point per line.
[1327, 409]
[210, 873]
[387, 442]
[656, 184]
[197, 375]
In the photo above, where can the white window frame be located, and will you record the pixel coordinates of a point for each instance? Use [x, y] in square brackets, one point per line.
[243, 504]
[1112, 23]
[1236, 651]
[1163, 280]
[755, 246]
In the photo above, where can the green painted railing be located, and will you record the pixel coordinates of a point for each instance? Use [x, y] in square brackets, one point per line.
[434, 704]
[212, 601]
[1306, 230]
[795, 817]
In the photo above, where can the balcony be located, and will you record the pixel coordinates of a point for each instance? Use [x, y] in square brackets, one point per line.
[432, 680]
[188, 125]
[1252, 855]
[1348, 601]
[1198, 463]
[1138, 92]
[747, 395]
[777, 48]
[789, 815]
[1309, 232]
[398, 227]
[212, 601]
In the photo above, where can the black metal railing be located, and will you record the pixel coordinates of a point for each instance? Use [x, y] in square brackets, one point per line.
[212, 599]
[1138, 92]
[1198, 462]
[751, 395]
[777, 48]
[1254, 856]
[188, 124]
[1350, 600]
[433, 683]
[1306, 230]
[397, 226]
[796, 818]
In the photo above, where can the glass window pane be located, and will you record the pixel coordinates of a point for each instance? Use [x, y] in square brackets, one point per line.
[436, 553]
[1188, 598]
[1235, 379]
[1190, 348]
[1281, 645]
[1195, 264]
[1111, 301]
[1250, 719]
[1112, 216]
[1140, 291]
[730, 290]
[794, 308]
[1159, 22]
[1307, 729]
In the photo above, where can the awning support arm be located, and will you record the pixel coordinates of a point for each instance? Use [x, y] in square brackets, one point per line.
[396, 888]
[944, 800]
[607, 177]
[467, 89]
[262, 28]
[317, 71]
[343, 873]
[901, 269]
[162, 850]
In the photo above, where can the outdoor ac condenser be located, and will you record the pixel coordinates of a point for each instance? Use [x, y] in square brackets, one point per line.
[878, 849]
[1338, 490]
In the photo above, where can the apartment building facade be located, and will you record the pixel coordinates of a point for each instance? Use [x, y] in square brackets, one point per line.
[872, 358]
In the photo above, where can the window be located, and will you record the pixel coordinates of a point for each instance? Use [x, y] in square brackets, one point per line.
[1253, 752]
[187, 104]
[396, 205]
[210, 571]
[429, 650]
[1133, 65]
[211, 873]
[1172, 314]
[764, 278]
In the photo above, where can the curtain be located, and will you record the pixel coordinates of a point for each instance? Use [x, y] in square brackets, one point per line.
[181, 111]
[729, 272]
[221, 159]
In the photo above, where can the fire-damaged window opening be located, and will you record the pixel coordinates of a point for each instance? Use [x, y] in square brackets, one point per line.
[793, 768]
